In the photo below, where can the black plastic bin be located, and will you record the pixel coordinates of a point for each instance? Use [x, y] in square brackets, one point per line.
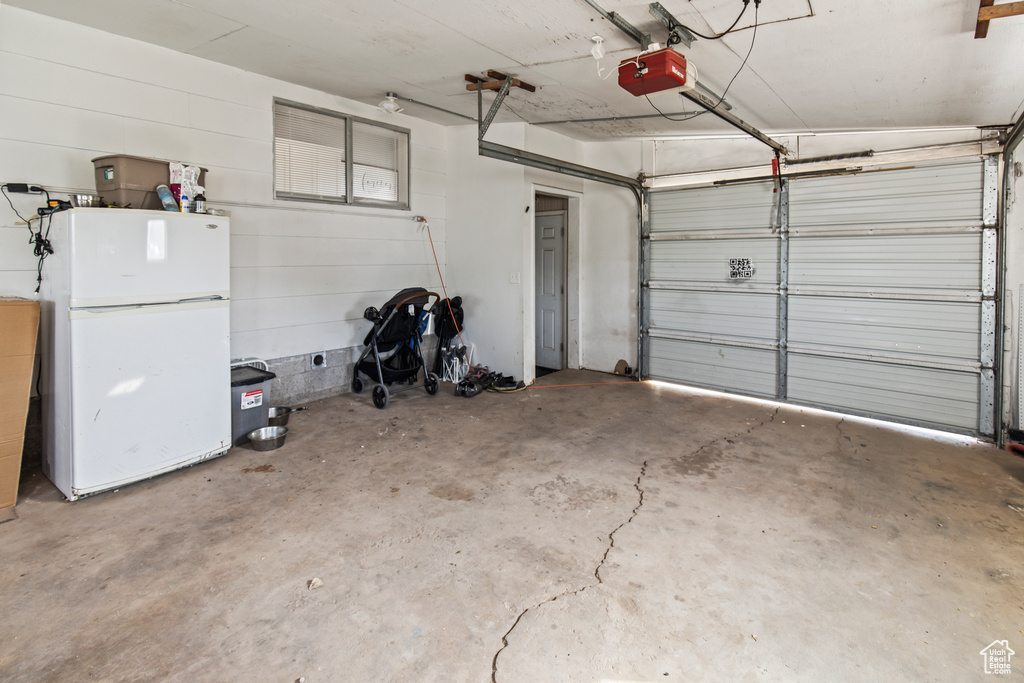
[250, 408]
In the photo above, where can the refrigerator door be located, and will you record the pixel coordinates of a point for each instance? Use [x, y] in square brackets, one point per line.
[151, 391]
[120, 257]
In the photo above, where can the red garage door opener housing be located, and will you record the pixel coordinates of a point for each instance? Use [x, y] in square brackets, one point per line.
[655, 71]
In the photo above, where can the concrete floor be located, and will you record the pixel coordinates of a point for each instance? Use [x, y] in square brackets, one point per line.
[628, 532]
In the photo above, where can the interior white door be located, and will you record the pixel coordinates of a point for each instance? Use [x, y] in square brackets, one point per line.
[550, 281]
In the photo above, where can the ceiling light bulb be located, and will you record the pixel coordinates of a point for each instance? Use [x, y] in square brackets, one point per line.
[598, 50]
[390, 104]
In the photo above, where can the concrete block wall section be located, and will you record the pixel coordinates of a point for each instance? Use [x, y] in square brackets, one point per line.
[298, 381]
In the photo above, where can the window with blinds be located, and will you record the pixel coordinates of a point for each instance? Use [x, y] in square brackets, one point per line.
[326, 156]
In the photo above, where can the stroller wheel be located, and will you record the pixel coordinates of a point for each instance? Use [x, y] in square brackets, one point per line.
[357, 385]
[380, 396]
[433, 384]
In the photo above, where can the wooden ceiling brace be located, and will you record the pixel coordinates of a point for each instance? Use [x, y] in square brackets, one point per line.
[981, 30]
[477, 83]
[1007, 9]
[501, 85]
[987, 11]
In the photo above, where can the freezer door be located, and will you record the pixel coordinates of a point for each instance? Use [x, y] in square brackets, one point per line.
[150, 391]
[117, 257]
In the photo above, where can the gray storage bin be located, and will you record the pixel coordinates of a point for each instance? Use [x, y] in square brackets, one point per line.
[250, 407]
[127, 181]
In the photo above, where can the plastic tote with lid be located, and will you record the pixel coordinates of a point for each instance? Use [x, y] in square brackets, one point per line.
[250, 408]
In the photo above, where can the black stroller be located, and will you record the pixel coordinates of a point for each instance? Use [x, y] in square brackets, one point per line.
[393, 352]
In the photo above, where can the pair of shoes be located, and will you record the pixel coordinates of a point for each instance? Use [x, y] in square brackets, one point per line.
[467, 388]
[477, 372]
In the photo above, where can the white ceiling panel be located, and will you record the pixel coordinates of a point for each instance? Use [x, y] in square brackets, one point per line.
[709, 16]
[160, 22]
[816, 65]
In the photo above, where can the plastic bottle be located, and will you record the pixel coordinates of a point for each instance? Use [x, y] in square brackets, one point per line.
[200, 203]
[186, 203]
[166, 198]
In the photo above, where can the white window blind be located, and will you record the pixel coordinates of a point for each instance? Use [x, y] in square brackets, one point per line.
[313, 162]
[379, 159]
[309, 154]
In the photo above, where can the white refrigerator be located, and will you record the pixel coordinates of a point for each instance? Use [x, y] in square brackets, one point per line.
[136, 346]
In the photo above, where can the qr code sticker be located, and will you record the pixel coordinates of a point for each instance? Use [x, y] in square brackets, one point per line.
[741, 269]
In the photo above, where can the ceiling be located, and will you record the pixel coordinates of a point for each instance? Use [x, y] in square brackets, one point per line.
[816, 65]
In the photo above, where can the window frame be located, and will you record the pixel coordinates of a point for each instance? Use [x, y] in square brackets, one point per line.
[349, 199]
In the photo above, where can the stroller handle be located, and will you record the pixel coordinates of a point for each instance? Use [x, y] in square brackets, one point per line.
[418, 295]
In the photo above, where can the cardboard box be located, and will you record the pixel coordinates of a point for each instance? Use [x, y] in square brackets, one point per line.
[19, 323]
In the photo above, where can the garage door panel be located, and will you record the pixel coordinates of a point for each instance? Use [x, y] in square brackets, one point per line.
[874, 295]
[716, 315]
[941, 262]
[750, 209]
[945, 194]
[941, 398]
[727, 368]
[707, 261]
[927, 331]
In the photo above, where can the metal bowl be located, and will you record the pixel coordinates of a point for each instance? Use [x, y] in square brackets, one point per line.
[83, 201]
[268, 438]
[279, 416]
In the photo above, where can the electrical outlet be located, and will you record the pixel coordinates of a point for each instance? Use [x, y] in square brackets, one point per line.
[318, 360]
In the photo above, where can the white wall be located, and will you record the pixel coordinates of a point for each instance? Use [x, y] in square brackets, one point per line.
[491, 240]
[485, 245]
[301, 273]
[610, 253]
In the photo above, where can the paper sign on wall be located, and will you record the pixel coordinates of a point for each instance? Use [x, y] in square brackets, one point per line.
[252, 399]
[741, 269]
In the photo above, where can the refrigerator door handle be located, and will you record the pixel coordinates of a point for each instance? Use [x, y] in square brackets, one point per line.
[123, 309]
[215, 297]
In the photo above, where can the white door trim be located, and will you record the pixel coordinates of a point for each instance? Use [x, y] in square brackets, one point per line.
[573, 342]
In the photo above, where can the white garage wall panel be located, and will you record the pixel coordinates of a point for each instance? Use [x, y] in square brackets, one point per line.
[301, 274]
[871, 294]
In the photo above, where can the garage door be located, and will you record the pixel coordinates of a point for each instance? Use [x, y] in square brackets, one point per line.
[871, 293]
[713, 288]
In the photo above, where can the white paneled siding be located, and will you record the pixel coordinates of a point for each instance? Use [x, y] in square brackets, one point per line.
[946, 193]
[875, 388]
[938, 262]
[750, 207]
[751, 371]
[878, 301]
[301, 273]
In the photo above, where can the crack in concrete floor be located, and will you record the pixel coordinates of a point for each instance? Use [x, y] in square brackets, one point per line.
[839, 435]
[597, 572]
[611, 540]
[864, 597]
